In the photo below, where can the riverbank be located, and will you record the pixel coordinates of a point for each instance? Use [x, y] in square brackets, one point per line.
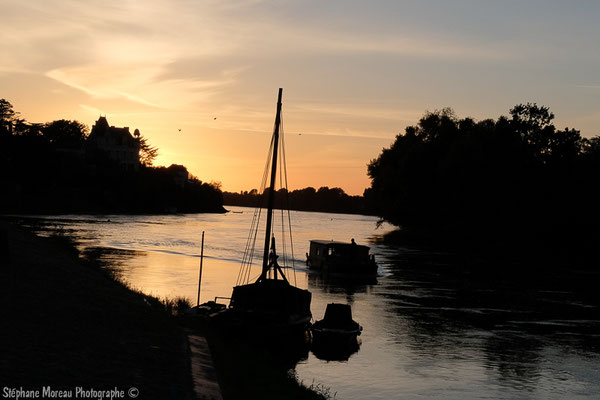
[69, 325]
[519, 249]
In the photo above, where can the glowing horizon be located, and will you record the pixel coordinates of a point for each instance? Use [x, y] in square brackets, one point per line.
[354, 74]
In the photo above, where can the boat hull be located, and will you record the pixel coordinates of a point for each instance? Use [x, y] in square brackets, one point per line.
[332, 345]
[270, 306]
[332, 267]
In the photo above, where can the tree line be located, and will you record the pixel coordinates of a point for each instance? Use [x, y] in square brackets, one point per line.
[515, 177]
[47, 168]
[324, 199]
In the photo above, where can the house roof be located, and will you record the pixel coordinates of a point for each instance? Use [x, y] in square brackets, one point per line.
[102, 128]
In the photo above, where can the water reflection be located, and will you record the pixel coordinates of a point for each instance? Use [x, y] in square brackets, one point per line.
[515, 324]
[113, 260]
[435, 325]
[335, 352]
[515, 358]
[504, 332]
[341, 285]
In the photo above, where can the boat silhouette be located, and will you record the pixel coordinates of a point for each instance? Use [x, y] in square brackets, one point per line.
[270, 303]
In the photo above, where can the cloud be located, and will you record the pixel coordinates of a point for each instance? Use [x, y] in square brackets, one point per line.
[133, 49]
[362, 111]
[107, 81]
[588, 86]
[54, 34]
[138, 82]
[92, 110]
[123, 50]
[349, 133]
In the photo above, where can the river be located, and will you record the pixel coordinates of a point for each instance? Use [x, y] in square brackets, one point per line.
[431, 329]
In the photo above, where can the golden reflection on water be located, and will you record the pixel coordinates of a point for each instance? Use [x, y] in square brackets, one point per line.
[170, 275]
[428, 332]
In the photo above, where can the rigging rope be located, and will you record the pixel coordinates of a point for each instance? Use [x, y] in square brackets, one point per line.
[244, 275]
[248, 256]
[287, 199]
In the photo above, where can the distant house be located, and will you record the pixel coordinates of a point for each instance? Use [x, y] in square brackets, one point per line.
[115, 143]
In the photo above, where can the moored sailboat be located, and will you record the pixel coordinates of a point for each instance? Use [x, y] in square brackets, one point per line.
[271, 302]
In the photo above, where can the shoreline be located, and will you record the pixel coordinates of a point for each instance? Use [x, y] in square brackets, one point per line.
[8, 213]
[69, 324]
[559, 249]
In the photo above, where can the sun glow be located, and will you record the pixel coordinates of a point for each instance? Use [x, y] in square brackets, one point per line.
[199, 79]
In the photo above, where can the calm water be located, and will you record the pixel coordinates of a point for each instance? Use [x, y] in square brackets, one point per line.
[429, 330]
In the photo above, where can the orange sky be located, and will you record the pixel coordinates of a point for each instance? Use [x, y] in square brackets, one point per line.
[354, 74]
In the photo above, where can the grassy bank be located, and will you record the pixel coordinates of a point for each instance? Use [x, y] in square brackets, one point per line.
[67, 323]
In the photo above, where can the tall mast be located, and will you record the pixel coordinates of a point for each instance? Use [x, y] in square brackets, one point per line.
[271, 194]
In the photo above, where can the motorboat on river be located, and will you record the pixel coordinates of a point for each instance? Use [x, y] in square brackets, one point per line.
[333, 257]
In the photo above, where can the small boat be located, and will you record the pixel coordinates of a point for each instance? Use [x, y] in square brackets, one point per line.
[337, 324]
[270, 304]
[332, 257]
[335, 337]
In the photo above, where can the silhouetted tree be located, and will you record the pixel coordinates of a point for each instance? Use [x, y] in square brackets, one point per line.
[7, 112]
[7, 117]
[148, 153]
[307, 199]
[534, 124]
[451, 175]
[44, 169]
[66, 133]
[591, 149]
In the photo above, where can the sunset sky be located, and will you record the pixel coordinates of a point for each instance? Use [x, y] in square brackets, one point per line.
[354, 73]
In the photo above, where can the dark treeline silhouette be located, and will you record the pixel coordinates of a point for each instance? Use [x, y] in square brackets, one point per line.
[516, 179]
[61, 167]
[333, 200]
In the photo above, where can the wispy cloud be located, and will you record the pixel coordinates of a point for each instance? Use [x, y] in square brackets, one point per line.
[363, 111]
[139, 83]
[92, 110]
[129, 50]
[107, 81]
[424, 45]
[350, 133]
[123, 50]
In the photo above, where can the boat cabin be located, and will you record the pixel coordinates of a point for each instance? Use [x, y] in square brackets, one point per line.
[340, 257]
[339, 316]
[335, 336]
